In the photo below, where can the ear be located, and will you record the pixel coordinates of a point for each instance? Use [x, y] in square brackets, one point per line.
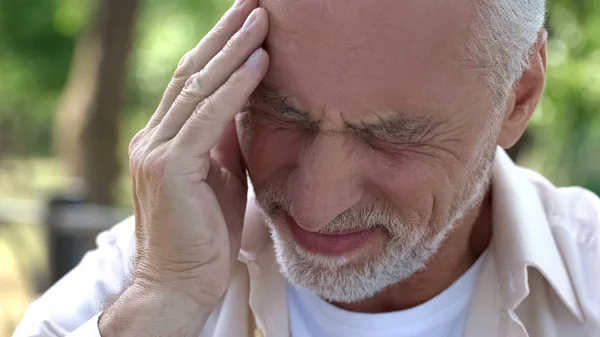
[526, 95]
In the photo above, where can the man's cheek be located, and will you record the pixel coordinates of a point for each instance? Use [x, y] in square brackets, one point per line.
[273, 152]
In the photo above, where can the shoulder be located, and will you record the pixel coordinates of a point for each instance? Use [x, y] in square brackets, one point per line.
[573, 210]
[86, 289]
[573, 214]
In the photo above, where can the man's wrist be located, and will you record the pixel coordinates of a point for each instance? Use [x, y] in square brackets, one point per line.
[142, 311]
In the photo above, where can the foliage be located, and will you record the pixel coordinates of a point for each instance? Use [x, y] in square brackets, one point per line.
[566, 127]
[37, 38]
[35, 52]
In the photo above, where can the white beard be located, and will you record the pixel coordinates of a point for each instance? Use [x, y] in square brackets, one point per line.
[411, 243]
[337, 279]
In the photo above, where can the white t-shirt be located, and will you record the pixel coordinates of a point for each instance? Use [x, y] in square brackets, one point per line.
[444, 315]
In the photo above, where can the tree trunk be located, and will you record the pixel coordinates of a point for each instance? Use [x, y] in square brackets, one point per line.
[86, 129]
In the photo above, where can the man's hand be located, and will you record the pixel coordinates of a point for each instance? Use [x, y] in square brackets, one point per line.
[189, 182]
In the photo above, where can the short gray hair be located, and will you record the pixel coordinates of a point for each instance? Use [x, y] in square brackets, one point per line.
[502, 38]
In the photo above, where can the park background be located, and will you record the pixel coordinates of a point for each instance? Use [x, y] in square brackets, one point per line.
[78, 78]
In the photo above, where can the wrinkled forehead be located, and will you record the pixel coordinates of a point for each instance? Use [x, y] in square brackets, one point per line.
[352, 54]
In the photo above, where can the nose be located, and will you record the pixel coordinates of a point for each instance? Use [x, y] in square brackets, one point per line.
[326, 181]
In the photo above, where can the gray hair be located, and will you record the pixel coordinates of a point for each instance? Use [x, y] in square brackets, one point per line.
[503, 35]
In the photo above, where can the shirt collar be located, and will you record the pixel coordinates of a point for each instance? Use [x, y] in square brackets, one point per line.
[268, 297]
[522, 237]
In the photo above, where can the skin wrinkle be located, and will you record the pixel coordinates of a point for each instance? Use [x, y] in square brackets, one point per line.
[397, 128]
[394, 134]
[424, 147]
[296, 271]
[310, 260]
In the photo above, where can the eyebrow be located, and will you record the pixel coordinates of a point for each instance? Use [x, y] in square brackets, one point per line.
[271, 98]
[397, 126]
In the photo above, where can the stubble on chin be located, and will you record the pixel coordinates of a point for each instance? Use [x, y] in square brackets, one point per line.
[404, 248]
[408, 242]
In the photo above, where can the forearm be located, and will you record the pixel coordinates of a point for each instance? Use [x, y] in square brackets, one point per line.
[142, 312]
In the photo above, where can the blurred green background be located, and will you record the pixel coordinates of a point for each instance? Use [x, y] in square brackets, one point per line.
[78, 78]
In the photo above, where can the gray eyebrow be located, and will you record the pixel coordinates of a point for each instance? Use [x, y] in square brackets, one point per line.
[268, 96]
[398, 126]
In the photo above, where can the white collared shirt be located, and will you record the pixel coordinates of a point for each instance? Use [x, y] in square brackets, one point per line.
[540, 278]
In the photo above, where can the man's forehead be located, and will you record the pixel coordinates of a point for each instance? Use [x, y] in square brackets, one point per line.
[359, 53]
[363, 20]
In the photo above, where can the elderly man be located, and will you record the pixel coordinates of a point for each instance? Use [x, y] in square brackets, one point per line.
[372, 133]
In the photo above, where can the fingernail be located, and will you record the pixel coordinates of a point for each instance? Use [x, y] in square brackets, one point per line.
[183, 60]
[238, 3]
[255, 57]
[250, 20]
[182, 66]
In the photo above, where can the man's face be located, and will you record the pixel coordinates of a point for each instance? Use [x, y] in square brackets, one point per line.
[368, 140]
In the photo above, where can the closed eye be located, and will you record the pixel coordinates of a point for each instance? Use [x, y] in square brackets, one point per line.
[268, 106]
[269, 117]
[387, 140]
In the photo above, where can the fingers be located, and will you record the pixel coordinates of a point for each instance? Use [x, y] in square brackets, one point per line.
[202, 84]
[197, 58]
[205, 126]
